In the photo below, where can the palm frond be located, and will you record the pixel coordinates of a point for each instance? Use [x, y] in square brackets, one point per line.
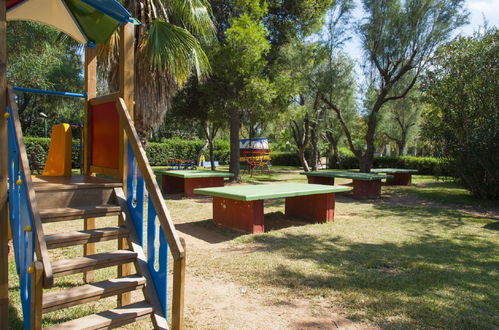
[194, 15]
[175, 50]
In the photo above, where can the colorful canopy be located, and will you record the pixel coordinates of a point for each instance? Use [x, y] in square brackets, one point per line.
[86, 21]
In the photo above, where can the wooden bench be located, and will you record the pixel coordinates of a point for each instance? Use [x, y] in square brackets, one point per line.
[365, 185]
[186, 181]
[401, 177]
[241, 207]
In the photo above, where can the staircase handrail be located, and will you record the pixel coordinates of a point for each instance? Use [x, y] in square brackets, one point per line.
[163, 214]
[40, 246]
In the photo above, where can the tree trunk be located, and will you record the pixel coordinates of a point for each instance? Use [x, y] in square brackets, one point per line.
[315, 148]
[303, 159]
[212, 154]
[201, 152]
[235, 125]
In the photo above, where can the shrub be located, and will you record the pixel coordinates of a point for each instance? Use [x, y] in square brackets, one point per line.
[158, 153]
[285, 158]
[462, 88]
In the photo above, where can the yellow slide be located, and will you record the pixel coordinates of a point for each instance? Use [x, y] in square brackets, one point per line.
[59, 157]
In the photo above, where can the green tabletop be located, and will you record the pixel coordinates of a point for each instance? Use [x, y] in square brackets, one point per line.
[348, 175]
[393, 170]
[195, 174]
[268, 191]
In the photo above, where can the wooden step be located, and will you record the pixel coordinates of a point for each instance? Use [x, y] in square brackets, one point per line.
[73, 191]
[82, 212]
[84, 236]
[90, 292]
[109, 319]
[95, 261]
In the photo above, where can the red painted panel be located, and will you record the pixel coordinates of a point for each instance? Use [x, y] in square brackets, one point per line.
[239, 215]
[366, 189]
[400, 179]
[12, 3]
[314, 208]
[320, 180]
[192, 183]
[105, 135]
[172, 184]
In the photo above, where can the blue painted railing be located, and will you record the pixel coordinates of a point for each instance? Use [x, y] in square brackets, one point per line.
[21, 219]
[155, 245]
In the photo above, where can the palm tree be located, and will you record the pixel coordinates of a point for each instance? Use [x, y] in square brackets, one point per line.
[167, 52]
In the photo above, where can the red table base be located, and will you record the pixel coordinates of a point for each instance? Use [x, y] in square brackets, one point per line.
[239, 215]
[320, 180]
[399, 179]
[312, 208]
[174, 185]
[366, 189]
[248, 216]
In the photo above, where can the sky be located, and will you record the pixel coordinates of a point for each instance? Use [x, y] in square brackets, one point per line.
[478, 9]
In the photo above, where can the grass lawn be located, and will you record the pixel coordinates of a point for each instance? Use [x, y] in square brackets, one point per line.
[422, 256]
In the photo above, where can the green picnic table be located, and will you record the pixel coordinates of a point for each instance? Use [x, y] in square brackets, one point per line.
[241, 207]
[401, 176]
[186, 181]
[365, 185]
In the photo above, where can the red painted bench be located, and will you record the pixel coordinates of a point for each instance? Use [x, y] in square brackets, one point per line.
[185, 182]
[241, 207]
[401, 177]
[365, 185]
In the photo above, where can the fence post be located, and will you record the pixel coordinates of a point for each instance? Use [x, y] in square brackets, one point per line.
[36, 295]
[178, 291]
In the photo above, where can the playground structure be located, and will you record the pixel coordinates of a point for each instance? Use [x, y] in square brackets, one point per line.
[111, 148]
[255, 152]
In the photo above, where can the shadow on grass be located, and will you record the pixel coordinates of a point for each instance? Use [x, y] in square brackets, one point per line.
[431, 281]
[15, 320]
[210, 232]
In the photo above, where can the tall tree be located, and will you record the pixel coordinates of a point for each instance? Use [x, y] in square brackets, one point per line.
[167, 50]
[399, 38]
[401, 122]
[463, 89]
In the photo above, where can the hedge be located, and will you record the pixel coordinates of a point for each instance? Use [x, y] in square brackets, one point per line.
[158, 153]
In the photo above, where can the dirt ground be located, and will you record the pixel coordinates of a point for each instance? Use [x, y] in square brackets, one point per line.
[217, 303]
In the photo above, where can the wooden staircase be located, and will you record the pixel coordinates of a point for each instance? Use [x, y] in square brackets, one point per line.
[63, 199]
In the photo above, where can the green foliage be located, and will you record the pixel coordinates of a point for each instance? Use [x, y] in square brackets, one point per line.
[39, 59]
[425, 165]
[158, 153]
[38, 149]
[285, 158]
[463, 90]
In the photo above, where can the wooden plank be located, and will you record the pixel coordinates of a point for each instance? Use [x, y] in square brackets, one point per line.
[109, 319]
[40, 246]
[124, 269]
[36, 296]
[178, 291]
[91, 292]
[96, 261]
[113, 97]
[85, 236]
[141, 263]
[90, 68]
[74, 182]
[81, 212]
[4, 172]
[163, 214]
[88, 249]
